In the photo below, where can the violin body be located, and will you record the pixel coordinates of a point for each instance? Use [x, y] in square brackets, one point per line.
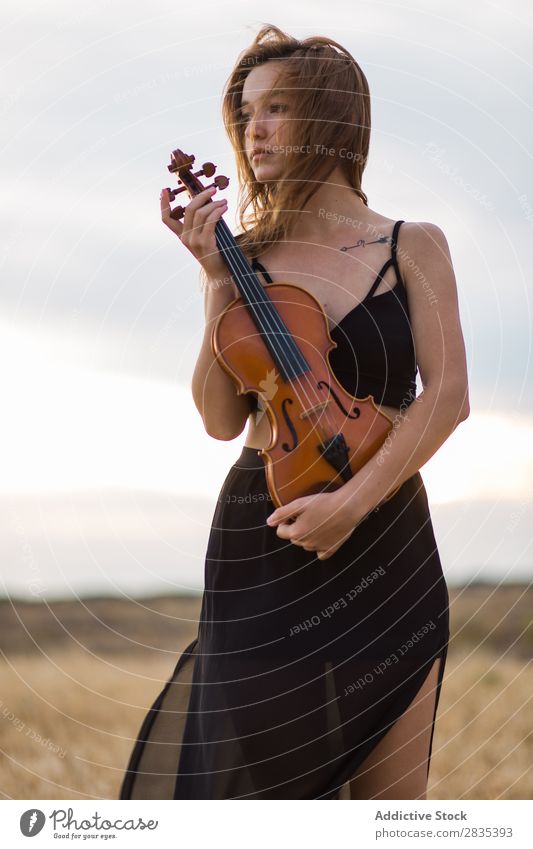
[276, 343]
[295, 461]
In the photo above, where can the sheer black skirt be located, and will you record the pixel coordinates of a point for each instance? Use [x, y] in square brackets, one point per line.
[300, 666]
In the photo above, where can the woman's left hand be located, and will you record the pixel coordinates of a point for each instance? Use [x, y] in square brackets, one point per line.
[322, 522]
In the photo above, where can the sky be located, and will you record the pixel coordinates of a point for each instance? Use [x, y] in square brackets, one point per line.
[109, 480]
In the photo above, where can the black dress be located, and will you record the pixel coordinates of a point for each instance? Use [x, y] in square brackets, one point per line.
[300, 665]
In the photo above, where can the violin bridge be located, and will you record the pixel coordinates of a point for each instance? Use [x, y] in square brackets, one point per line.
[312, 410]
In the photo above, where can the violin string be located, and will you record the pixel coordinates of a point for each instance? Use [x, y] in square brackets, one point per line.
[273, 313]
[250, 273]
[333, 425]
[226, 236]
[263, 303]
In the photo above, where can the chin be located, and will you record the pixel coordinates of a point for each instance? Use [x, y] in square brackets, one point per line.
[266, 173]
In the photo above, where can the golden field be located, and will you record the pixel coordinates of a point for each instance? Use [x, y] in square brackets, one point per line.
[78, 678]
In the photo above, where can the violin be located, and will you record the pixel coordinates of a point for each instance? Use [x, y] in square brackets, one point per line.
[274, 341]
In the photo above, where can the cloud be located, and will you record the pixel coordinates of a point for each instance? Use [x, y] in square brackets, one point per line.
[106, 312]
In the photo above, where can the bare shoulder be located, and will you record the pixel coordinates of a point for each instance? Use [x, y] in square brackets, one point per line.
[423, 240]
[425, 261]
[425, 236]
[427, 271]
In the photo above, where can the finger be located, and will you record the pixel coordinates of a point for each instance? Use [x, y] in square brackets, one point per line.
[284, 514]
[209, 224]
[194, 205]
[164, 198]
[173, 223]
[205, 224]
[196, 233]
[206, 211]
[204, 216]
[196, 228]
[325, 554]
[306, 543]
[201, 198]
[285, 531]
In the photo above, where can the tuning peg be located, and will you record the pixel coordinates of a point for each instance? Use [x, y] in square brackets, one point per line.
[208, 169]
[219, 182]
[177, 213]
[174, 192]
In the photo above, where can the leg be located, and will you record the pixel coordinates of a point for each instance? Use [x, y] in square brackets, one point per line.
[397, 767]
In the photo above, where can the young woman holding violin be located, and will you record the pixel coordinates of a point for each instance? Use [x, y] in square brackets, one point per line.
[323, 635]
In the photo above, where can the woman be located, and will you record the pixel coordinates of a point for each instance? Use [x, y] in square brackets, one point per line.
[324, 627]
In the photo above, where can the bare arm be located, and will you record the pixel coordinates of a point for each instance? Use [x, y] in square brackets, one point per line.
[223, 411]
[429, 420]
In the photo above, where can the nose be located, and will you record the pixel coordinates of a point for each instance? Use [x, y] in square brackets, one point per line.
[256, 128]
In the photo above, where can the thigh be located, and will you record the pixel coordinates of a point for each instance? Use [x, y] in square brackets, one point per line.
[397, 767]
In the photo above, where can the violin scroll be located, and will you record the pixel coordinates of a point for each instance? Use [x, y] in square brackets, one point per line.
[181, 164]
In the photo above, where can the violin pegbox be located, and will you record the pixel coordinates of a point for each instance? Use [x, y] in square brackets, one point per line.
[181, 164]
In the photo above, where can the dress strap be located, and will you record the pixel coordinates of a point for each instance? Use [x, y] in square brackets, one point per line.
[256, 265]
[394, 247]
[392, 260]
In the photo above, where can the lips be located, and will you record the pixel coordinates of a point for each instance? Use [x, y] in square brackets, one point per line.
[258, 152]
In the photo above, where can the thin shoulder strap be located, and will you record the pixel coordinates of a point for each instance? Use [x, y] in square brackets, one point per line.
[256, 265]
[392, 260]
[395, 246]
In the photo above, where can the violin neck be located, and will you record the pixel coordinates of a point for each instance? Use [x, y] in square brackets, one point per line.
[282, 346]
[246, 279]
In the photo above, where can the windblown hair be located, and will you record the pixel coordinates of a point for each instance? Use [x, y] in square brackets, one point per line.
[329, 119]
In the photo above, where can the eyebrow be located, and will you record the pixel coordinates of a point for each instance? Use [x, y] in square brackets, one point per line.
[273, 94]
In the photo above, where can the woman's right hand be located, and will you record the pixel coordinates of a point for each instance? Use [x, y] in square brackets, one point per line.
[197, 232]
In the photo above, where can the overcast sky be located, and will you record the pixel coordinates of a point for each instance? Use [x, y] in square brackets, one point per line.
[101, 312]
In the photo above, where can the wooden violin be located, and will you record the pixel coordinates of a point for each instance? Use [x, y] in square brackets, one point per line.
[274, 341]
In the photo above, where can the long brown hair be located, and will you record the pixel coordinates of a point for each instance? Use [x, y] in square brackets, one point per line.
[329, 102]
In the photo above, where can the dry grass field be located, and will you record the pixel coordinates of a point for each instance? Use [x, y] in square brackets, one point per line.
[78, 677]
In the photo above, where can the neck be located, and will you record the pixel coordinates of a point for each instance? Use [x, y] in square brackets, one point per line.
[333, 210]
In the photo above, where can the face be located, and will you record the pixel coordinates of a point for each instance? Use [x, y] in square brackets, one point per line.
[265, 122]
